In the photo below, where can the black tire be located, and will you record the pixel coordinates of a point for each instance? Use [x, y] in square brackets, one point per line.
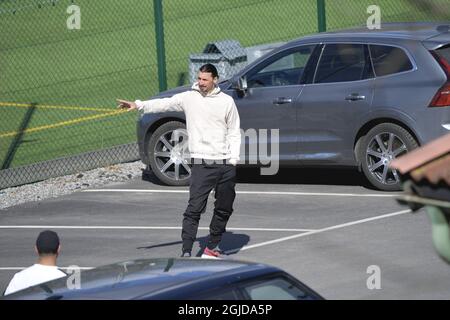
[380, 146]
[166, 150]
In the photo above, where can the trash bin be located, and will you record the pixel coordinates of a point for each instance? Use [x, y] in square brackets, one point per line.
[228, 56]
[425, 176]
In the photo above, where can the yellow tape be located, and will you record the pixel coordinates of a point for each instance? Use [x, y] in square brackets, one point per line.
[27, 105]
[63, 123]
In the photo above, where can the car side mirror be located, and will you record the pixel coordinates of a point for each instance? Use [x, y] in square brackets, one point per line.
[240, 84]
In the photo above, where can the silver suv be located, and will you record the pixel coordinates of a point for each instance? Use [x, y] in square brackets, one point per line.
[354, 98]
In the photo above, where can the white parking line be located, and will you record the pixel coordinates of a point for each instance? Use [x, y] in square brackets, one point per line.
[339, 226]
[144, 228]
[390, 195]
[305, 232]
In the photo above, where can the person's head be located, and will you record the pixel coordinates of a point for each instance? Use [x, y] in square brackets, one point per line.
[207, 78]
[47, 244]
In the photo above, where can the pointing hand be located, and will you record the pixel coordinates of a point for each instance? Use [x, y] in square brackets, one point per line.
[124, 104]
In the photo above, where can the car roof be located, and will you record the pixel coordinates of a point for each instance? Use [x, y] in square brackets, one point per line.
[131, 279]
[433, 35]
[408, 30]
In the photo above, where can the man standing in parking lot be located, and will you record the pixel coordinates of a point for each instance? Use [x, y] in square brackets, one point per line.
[213, 126]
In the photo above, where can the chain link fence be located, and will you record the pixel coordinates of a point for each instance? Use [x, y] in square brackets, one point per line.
[64, 62]
[190, 25]
[350, 13]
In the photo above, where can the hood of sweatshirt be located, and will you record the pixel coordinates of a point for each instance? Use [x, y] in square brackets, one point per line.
[214, 91]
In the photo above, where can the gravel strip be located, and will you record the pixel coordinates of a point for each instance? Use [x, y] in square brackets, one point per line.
[59, 186]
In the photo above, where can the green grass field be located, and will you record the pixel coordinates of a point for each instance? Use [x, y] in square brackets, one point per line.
[113, 55]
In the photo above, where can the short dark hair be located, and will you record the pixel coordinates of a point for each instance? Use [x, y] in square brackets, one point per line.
[47, 242]
[209, 68]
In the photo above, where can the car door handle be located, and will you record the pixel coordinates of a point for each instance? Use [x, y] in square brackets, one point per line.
[282, 100]
[354, 97]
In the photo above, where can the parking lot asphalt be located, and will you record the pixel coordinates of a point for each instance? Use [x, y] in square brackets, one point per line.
[325, 227]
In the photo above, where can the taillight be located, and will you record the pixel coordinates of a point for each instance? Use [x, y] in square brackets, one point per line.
[442, 97]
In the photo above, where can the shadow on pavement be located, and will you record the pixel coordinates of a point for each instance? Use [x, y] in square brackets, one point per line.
[340, 177]
[343, 177]
[230, 241]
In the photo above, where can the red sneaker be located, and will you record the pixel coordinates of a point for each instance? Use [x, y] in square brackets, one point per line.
[211, 254]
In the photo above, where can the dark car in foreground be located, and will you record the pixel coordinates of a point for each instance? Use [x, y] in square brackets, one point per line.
[354, 98]
[174, 279]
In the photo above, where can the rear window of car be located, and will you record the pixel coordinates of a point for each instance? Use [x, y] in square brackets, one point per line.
[388, 60]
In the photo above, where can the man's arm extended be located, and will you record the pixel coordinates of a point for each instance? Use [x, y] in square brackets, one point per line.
[173, 103]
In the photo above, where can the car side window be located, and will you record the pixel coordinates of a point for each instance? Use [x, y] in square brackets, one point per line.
[284, 70]
[343, 62]
[278, 288]
[389, 60]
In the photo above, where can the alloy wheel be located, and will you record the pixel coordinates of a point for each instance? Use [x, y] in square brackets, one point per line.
[171, 154]
[381, 150]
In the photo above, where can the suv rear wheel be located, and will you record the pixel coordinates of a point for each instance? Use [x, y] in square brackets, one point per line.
[380, 146]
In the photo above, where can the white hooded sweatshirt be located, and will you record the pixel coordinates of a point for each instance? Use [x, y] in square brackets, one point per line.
[212, 122]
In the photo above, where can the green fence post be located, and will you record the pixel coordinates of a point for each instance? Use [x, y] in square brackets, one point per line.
[321, 16]
[160, 50]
